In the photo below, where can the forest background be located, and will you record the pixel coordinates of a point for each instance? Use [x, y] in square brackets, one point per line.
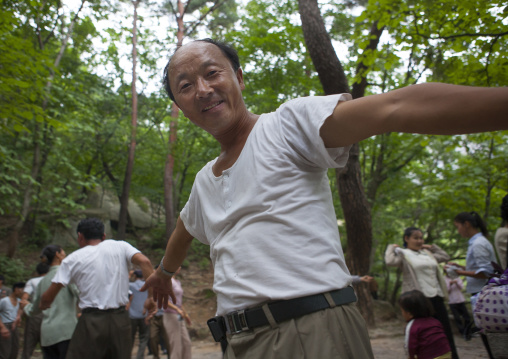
[82, 110]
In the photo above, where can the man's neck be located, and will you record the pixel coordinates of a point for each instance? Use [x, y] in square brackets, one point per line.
[232, 143]
[92, 242]
[14, 299]
[238, 133]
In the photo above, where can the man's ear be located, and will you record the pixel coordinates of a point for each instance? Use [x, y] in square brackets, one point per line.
[239, 77]
[103, 236]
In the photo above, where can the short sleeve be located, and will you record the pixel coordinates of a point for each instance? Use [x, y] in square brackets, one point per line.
[301, 120]
[63, 274]
[29, 287]
[129, 249]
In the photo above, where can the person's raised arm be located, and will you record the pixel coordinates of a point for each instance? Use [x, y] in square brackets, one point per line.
[431, 108]
[176, 251]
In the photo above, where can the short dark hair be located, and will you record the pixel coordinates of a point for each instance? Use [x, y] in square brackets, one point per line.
[226, 49]
[91, 228]
[474, 219]
[42, 268]
[18, 285]
[415, 303]
[407, 233]
[49, 252]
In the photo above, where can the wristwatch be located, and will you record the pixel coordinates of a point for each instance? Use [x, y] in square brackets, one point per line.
[165, 271]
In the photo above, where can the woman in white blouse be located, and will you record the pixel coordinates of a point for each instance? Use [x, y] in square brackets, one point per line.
[421, 271]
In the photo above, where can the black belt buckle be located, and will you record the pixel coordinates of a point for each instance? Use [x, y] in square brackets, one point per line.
[217, 328]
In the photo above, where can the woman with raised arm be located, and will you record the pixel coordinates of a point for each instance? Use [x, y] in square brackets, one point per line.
[421, 271]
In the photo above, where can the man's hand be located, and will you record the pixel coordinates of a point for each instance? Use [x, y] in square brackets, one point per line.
[4, 332]
[23, 303]
[162, 288]
[149, 308]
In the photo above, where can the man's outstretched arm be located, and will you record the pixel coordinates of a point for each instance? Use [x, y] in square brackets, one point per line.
[49, 295]
[431, 108]
[176, 251]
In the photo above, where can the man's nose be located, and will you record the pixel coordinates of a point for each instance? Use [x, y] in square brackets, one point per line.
[203, 88]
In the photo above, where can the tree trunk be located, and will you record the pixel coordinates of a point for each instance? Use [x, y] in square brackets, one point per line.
[37, 163]
[124, 198]
[169, 204]
[358, 225]
[354, 204]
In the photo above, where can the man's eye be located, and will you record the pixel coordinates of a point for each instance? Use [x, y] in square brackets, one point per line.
[211, 73]
[184, 86]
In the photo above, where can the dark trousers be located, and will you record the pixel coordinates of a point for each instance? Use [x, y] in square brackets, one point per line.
[441, 314]
[461, 316]
[9, 346]
[102, 334]
[32, 335]
[138, 325]
[56, 351]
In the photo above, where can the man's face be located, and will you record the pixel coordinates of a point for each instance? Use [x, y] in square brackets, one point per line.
[206, 88]
[18, 292]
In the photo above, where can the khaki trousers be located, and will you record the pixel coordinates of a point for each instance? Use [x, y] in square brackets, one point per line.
[338, 332]
[156, 331]
[178, 336]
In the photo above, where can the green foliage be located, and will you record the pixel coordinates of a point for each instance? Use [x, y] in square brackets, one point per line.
[13, 270]
[272, 50]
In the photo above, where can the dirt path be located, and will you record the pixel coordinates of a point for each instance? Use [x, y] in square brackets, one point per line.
[387, 343]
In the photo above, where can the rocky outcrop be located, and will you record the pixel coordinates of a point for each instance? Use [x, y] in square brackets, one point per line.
[106, 206]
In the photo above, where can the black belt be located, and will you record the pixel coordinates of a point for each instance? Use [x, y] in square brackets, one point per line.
[239, 321]
[97, 310]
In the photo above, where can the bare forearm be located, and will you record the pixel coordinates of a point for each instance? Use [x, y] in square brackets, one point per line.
[444, 109]
[177, 247]
[431, 108]
[144, 264]
[472, 274]
[49, 295]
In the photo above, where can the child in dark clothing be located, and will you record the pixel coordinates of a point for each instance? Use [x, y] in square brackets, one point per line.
[425, 336]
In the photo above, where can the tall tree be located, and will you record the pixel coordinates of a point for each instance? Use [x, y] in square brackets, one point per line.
[124, 197]
[353, 200]
[41, 131]
[178, 12]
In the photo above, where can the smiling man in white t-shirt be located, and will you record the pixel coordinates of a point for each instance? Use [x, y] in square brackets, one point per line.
[264, 205]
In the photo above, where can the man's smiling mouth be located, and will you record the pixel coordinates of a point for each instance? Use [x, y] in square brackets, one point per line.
[212, 106]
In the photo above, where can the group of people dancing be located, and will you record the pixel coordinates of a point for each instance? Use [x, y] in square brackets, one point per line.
[83, 302]
[425, 285]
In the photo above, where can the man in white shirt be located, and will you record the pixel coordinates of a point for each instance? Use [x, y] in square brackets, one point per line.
[264, 204]
[100, 270]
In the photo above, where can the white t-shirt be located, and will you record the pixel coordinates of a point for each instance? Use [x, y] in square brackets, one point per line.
[269, 219]
[100, 272]
[32, 284]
